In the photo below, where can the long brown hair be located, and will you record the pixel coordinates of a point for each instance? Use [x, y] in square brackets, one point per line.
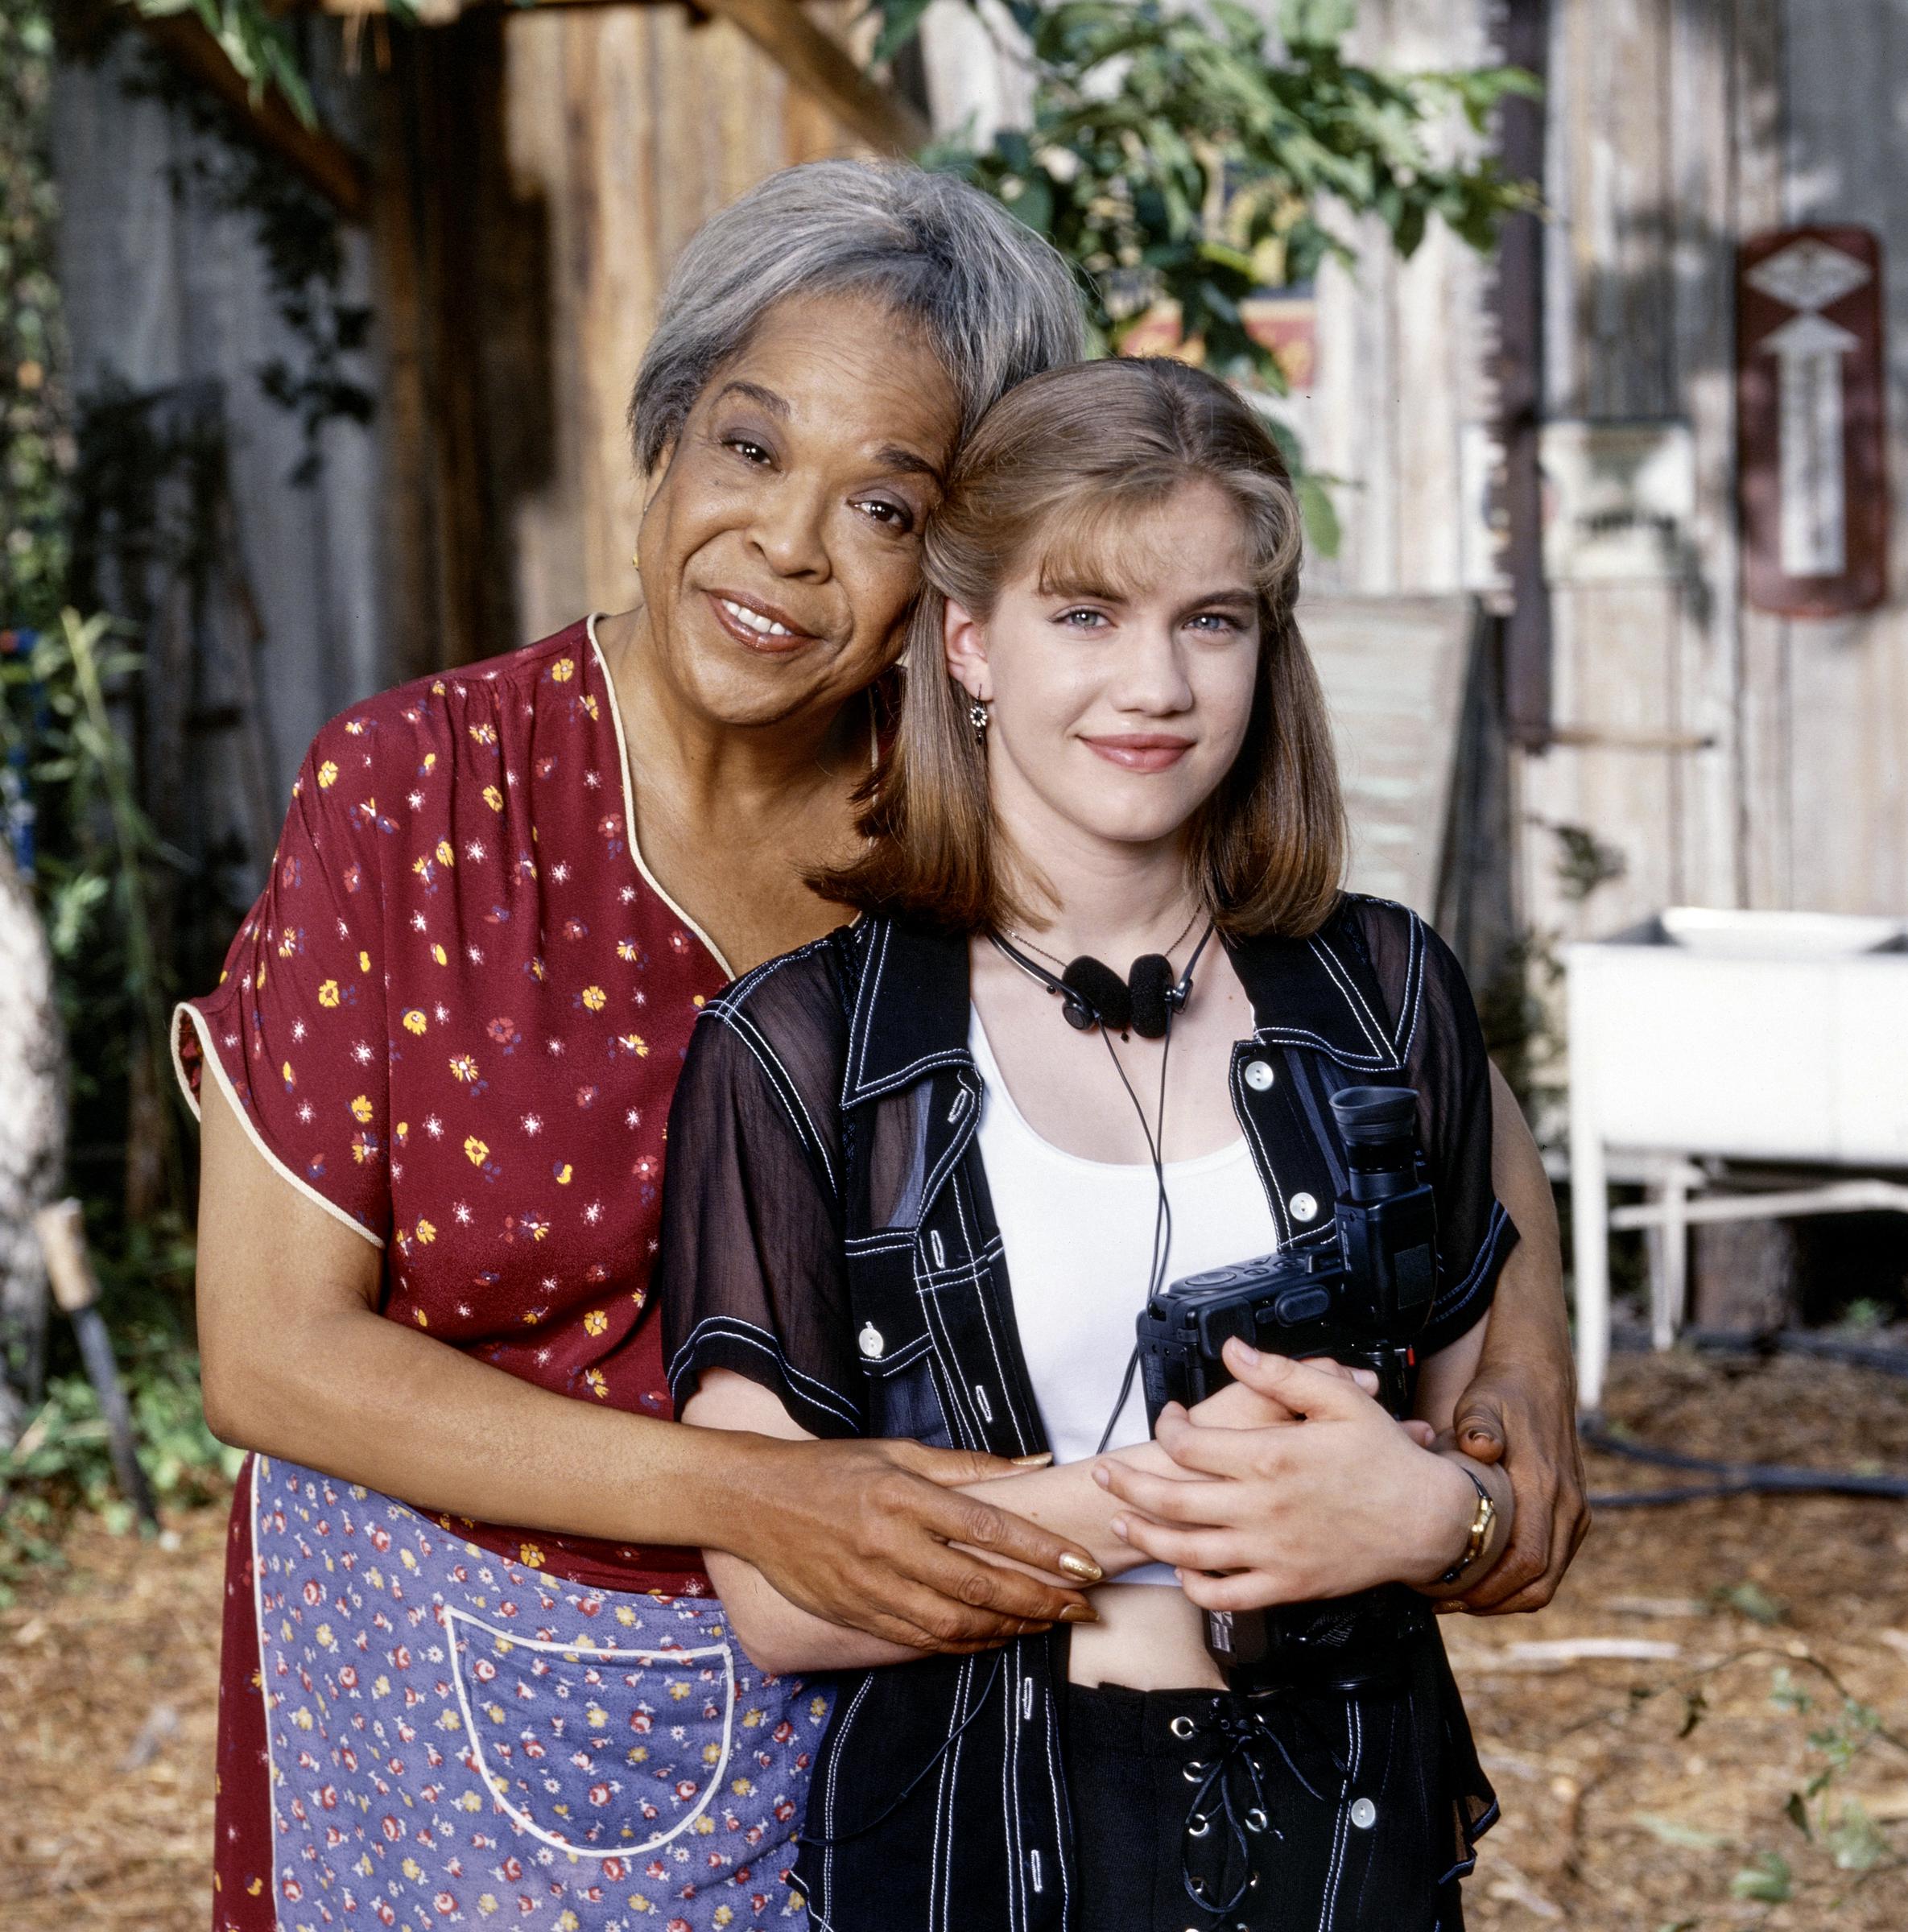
[1054, 470]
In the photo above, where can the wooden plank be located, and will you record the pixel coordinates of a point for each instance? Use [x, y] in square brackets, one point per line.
[1764, 800]
[814, 61]
[1394, 672]
[1702, 139]
[319, 157]
[1529, 642]
[1848, 679]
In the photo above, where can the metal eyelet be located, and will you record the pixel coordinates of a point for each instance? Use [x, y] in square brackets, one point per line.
[1182, 1727]
[1256, 1820]
[1197, 1827]
[1193, 1772]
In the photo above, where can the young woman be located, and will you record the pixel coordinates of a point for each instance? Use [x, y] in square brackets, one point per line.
[906, 1199]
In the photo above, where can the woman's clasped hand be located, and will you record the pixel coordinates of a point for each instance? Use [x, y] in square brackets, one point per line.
[1294, 1485]
[877, 1536]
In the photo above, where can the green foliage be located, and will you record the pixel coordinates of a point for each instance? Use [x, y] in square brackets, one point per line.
[302, 248]
[62, 1464]
[254, 41]
[36, 451]
[97, 849]
[1766, 1879]
[1186, 156]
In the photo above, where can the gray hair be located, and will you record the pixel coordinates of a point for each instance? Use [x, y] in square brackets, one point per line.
[997, 304]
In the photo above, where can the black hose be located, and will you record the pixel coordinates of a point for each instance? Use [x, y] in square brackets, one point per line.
[1751, 1479]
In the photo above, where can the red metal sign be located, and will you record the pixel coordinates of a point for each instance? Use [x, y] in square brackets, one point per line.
[1812, 460]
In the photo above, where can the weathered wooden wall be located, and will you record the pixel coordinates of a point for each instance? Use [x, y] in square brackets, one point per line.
[1731, 757]
[540, 170]
[536, 173]
[161, 288]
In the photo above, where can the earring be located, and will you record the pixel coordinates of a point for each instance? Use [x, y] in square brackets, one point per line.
[976, 716]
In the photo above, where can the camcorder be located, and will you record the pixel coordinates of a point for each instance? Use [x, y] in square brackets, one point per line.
[1361, 1300]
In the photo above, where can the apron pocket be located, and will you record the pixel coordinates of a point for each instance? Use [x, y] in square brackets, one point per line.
[604, 1753]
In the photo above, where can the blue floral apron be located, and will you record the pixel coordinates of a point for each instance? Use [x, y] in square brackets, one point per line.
[457, 1738]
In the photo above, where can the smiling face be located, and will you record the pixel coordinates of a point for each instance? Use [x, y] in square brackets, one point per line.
[781, 547]
[1119, 695]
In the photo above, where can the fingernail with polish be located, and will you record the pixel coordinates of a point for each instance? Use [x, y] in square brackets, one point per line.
[1034, 1462]
[1083, 1568]
[1080, 1613]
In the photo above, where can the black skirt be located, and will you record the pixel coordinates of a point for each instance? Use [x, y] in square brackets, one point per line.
[1203, 1811]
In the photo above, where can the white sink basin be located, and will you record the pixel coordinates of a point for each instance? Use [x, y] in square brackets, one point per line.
[1778, 935]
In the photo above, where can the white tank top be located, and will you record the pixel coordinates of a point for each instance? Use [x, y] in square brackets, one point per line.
[1078, 1236]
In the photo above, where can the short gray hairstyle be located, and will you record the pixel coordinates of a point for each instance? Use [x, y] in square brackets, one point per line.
[997, 302]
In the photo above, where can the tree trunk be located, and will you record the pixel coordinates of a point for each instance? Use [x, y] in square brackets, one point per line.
[32, 1139]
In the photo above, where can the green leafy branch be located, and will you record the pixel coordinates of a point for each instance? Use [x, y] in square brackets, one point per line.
[256, 43]
[1825, 1816]
[1174, 159]
[60, 707]
[1191, 159]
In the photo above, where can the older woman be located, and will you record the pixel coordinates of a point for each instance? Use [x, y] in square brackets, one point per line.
[440, 1061]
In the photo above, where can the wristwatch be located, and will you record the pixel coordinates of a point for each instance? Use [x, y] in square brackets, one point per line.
[1479, 1540]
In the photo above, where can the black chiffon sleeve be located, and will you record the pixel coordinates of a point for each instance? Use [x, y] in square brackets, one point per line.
[1442, 1045]
[751, 1273]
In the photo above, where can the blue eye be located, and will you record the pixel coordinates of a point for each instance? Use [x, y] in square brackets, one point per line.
[1082, 618]
[1215, 623]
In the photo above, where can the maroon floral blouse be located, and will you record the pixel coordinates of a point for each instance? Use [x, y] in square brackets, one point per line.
[455, 1019]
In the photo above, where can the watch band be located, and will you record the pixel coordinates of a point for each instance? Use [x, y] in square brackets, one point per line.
[1479, 1540]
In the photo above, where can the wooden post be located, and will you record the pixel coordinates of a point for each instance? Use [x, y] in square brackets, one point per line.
[320, 158]
[1520, 389]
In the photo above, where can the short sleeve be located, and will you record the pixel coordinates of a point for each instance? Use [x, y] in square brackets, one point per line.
[295, 1032]
[752, 1273]
[1442, 1044]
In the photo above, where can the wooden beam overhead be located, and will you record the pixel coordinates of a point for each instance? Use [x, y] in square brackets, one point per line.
[324, 160]
[815, 60]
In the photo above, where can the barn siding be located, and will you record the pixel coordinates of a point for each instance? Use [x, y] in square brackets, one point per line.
[495, 498]
[159, 289]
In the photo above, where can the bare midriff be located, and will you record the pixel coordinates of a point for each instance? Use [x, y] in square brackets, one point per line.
[1148, 1638]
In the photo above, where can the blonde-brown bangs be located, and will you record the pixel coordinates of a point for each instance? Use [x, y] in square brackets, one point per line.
[1057, 485]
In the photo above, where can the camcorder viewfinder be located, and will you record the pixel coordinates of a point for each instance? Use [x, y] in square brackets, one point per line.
[1361, 1300]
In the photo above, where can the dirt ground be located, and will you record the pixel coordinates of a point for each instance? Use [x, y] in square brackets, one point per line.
[1635, 1788]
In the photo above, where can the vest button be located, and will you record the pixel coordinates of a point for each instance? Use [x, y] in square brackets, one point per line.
[872, 1344]
[1365, 1814]
[1304, 1207]
[1259, 1075]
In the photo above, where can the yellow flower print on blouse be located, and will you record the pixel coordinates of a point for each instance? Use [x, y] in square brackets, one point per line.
[328, 993]
[562, 671]
[494, 797]
[477, 1150]
[595, 1321]
[327, 775]
[464, 1066]
[360, 1108]
[594, 998]
[414, 1020]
